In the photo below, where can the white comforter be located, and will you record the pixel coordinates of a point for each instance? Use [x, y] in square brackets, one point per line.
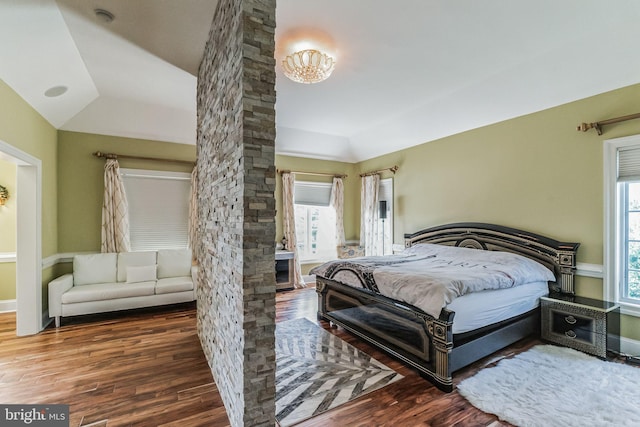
[431, 276]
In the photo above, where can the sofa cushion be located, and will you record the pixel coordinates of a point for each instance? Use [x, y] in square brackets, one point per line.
[105, 291]
[134, 259]
[174, 284]
[174, 263]
[144, 273]
[94, 268]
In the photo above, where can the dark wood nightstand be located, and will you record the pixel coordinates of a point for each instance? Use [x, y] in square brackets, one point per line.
[284, 270]
[585, 324]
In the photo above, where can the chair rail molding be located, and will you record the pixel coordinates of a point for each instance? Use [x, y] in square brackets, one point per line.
[54, 259]
[590, 270]
[7, 257]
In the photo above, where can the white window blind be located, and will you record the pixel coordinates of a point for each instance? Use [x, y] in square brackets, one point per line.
[158, 208]
[315, 221]
[629, 164]
[312, 193]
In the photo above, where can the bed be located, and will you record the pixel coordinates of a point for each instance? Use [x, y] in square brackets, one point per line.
[439, 343]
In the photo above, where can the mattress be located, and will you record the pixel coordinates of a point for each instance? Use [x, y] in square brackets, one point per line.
[430, 276]
[478, 309]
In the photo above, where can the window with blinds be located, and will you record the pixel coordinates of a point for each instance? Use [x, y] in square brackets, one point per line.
[622, 222]
[158, 208]
[315, 221]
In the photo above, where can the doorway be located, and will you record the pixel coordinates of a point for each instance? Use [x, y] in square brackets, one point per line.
[29, 239]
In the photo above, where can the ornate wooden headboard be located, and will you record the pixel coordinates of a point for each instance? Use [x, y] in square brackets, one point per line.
[559, 257]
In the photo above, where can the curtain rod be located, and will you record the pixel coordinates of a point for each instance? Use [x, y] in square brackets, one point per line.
[598, 125]
[336, 175]
[122, 156]
[392, 169]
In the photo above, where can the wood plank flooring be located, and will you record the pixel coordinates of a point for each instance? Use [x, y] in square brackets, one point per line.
[146, 368]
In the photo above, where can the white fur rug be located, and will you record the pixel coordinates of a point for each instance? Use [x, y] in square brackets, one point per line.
[556, 386]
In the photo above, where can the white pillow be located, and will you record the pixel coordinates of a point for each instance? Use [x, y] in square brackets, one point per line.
[94, 268]
[174, 263]
[133, 259]
[144, 273]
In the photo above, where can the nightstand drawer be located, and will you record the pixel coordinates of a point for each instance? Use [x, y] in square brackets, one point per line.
[567, 326]
[581, 323]
[562, 322]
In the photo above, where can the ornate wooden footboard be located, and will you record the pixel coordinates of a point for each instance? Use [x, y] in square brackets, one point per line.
[427, 343]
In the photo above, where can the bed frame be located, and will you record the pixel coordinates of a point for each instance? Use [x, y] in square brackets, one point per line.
[427, 343]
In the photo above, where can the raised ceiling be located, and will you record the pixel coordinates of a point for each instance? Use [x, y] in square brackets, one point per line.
[408, 72]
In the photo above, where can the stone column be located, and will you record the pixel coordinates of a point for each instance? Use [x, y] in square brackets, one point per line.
[236, 207]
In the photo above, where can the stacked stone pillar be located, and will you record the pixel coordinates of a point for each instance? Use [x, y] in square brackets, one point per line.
[236, 208]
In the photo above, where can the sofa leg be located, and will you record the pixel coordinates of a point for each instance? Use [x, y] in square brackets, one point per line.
[57, 321]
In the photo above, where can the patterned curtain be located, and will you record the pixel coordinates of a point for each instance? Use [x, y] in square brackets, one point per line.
[289, 219]
[369, 214]
[115, 211]
[337, 202]
[193, 212]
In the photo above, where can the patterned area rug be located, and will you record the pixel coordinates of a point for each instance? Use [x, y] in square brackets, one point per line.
[556, 386]
[317, 371]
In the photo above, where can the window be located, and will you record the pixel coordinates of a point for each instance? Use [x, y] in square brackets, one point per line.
[158, 208]
[630, 249]
[385, 225]
[622, 222]
[315, 222]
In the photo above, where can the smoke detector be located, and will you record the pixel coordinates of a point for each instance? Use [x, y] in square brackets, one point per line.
[104, 15]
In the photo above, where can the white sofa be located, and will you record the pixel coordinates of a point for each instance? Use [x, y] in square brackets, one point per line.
[120, 281]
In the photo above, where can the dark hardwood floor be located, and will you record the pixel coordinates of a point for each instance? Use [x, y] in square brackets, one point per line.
[146, 368]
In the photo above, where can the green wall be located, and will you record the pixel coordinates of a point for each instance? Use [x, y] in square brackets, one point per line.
[534, 172]
[81, 180]
[8, 231]
[8, 211]
[23, 128]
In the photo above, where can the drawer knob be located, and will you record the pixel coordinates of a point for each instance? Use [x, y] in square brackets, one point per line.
[570, 320]
[570, 334]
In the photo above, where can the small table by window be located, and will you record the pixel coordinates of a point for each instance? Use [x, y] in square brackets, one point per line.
[284, 270]
[585, 324]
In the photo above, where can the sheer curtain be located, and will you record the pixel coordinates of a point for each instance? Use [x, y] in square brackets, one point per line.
[337, 202]
[369, 214]
[115, 211]
[193, 212]
[289, 223]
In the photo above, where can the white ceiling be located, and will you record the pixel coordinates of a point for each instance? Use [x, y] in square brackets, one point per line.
[408, 71]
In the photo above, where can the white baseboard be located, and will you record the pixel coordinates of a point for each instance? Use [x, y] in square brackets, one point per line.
[629, 347]
[46, 320]
[308, 279]
[7, 305]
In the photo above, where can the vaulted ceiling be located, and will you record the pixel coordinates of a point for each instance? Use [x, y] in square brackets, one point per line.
[408, 71]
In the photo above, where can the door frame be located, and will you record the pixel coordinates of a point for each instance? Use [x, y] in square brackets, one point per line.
[28, 239]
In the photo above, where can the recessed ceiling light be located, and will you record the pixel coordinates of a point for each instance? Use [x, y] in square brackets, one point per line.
[104, 15]
[55, 91]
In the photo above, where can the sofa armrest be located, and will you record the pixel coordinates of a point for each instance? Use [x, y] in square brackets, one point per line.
[194, 275]
[57, 287]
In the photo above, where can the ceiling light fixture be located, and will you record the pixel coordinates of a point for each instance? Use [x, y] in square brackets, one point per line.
[55, 91]
[104, 15]
[308, 66]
